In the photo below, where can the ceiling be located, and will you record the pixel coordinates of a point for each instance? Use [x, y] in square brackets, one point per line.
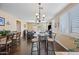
[27, 11]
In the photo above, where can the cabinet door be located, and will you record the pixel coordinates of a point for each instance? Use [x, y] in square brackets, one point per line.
[74, 17]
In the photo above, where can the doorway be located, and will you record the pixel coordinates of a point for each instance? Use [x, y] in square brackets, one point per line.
[18, 26]
[49, 27]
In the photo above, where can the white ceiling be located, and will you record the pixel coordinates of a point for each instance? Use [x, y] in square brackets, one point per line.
[27, 11]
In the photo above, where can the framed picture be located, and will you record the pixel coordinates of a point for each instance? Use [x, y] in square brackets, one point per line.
[2, 21]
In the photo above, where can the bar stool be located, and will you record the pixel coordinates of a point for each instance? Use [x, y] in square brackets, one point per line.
[50, 45]
[34, 49]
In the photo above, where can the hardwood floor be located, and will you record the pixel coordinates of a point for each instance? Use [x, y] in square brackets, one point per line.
[59, 48]
[25, 48]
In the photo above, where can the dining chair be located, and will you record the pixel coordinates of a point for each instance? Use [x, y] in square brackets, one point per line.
[6, 43]
[9, 42]
[18, 37]
[14, 40]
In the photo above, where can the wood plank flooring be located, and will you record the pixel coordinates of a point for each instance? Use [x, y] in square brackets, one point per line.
[25, 48]
[26, 45]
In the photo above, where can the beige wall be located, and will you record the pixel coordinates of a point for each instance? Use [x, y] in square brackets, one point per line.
[31, 26]
[12, 20]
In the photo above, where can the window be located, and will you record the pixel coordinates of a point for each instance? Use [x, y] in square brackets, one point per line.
[64, 23]
[74, 17]
[69, 21]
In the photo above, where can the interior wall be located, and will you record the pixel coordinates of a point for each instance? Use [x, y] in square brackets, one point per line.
[10, 19]
[31, 26]
[66, 41]
[12, 22]
[18, 26]
[62, 12]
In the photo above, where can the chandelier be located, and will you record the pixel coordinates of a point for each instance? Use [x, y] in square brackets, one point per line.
[39, 17]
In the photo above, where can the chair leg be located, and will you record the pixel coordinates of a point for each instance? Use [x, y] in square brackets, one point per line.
[31, 48]
[47, 47]
[6, 47]
[39, 48]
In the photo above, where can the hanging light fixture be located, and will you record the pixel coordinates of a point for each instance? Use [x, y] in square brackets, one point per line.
[38, 15]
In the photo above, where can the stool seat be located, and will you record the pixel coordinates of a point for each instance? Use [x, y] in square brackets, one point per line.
[34, 40]
[50, 40]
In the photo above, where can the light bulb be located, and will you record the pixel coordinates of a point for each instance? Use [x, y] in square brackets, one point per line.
[43, 16]
[37, 14]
